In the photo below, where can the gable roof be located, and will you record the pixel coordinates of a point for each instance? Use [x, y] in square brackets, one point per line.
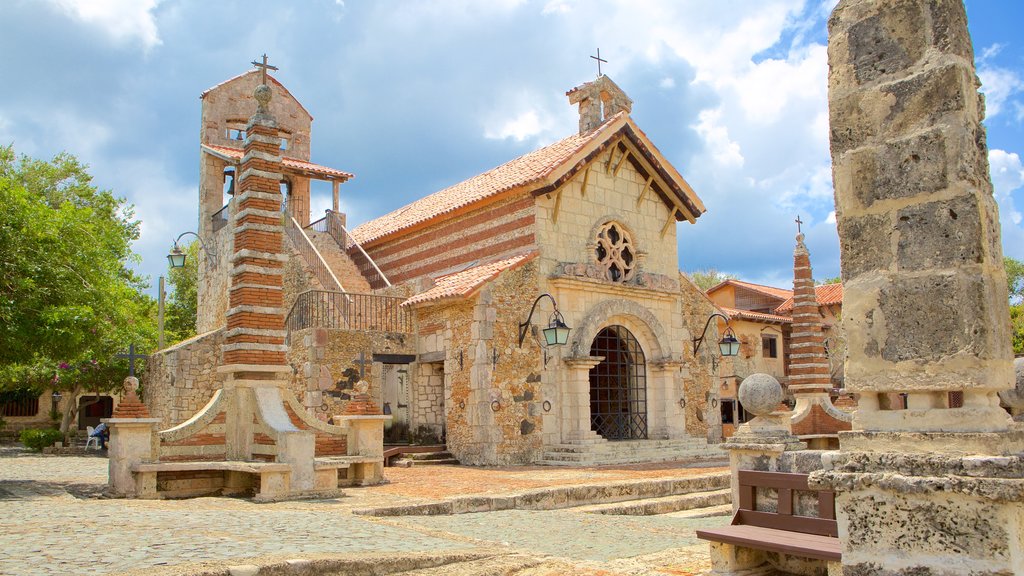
[735, 313]
[272, 79]
[770, 291]
[826, 294]
[294, 164]
[539, 172]
[466, 282]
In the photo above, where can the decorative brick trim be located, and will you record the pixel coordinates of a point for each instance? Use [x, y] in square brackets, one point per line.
[254, 310]
[256, 286]
[257, 269]
[254, 346]
[251, 138]
[246, 253]
[257, 212]
[257, 226]
[255, 332]
[254, 153]
[253, 172]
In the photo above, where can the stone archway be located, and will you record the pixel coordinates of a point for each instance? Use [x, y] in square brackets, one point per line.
[618, 386]
[641, 322]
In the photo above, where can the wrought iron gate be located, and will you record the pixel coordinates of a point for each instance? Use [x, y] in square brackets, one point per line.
[618, 386]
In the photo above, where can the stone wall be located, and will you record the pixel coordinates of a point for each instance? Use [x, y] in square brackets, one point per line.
[499, 229]
[700, 384]
[494, 390]
[213, 282]
[181, 379]
[326, 368]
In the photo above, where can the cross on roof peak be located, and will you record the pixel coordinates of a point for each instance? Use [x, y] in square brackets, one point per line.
[264, 67]
[798, 223]
[599, 60]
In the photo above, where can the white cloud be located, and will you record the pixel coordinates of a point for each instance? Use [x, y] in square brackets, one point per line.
[1007, 177]
[525, 125]
[999, 85]
[725, 152]
[556, 7]
[121, 20]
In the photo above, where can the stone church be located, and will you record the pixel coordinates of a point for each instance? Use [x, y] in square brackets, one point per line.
[430, 303]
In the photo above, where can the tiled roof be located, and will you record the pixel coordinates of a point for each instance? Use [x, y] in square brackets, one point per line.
[771, 291]
[293, 163]
[254, 71]
[826, 294]
[527, 169]
[466, 282]
[756, 316]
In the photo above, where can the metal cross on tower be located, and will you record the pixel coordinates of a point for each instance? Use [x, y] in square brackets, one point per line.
[264, 66]
[599, 60]
[798, 223]
[132, 356]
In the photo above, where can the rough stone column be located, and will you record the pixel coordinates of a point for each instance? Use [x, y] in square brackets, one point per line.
[575, 405]
[925, 301]
[131, 440]
[810, 376]
[930, 489]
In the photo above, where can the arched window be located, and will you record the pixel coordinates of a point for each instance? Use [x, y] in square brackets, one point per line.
[618, 386]
[615, 252]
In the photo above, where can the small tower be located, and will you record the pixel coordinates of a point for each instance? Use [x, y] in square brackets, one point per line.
[598, 101]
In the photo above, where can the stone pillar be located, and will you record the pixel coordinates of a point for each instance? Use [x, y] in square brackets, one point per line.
[131, 440]
[925, 299]
[930, 489]
[365, 422]
[254, 350]
[575, 405]
[810, 376]
[670, 421]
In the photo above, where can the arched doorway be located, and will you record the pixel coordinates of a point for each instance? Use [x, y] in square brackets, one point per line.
[618, 386]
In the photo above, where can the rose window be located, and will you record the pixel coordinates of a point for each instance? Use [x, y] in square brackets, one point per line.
[615, 252]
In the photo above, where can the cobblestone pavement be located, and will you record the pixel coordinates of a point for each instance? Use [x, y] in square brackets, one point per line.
[54, 522]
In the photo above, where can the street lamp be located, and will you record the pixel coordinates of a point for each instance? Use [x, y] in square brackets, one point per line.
[176, 258]
[728, 345]
[556, 334]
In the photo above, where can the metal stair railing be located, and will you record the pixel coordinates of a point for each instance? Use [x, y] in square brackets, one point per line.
[331, 224]
[348, 311]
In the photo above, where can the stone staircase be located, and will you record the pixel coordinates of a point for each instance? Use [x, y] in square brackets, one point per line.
[664, 504]
[339, 262]
[633, 451]
[426, 459]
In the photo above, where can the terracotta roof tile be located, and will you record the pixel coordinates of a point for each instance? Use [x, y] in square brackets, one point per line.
[466, 282]
[756, 316]
[527, 169]
[826, 294]
[293, 163]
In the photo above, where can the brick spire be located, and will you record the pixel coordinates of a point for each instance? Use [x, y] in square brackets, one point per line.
[809, 367]
[255, 317]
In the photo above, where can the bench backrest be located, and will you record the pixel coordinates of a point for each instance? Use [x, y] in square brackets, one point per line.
[783, 518]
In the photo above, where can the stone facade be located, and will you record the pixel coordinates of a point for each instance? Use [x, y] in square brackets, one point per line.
[181, 379]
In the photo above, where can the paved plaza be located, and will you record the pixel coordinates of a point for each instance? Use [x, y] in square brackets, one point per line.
[54, 520]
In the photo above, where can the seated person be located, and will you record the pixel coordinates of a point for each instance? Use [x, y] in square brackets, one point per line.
[102, 433]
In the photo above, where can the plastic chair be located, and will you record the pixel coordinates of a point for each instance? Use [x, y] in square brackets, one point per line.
[90, 439]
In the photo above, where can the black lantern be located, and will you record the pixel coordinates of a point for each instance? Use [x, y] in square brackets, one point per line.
[729, 345]
[556, 334]
[176, 258]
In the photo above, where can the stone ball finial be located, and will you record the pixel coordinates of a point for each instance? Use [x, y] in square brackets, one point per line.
[262, 95]
[760, 394]
[361, 387]
[130, 385]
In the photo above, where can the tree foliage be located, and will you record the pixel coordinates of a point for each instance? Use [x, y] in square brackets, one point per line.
[831, 280]
[180, 309]
[709, 278]
[68, 299]
[1014, 279]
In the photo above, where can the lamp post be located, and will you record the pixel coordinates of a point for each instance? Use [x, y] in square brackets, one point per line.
[556, 334]
[728, 345]
[176, 258]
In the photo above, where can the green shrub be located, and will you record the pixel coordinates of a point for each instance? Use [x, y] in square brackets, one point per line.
[36, 439]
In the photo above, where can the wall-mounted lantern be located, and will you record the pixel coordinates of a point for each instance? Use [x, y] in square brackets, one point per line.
[556, 334]
[728, 345]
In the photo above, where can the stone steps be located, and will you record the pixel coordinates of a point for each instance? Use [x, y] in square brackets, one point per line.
[339, 262]
[426, 459]
[633, 451]
[560, 497]
[663, 504]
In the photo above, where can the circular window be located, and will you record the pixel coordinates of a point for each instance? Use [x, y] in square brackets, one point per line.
[615, 252]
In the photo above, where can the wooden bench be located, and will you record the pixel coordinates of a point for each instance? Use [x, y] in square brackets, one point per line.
[224, 477]
[781, 531]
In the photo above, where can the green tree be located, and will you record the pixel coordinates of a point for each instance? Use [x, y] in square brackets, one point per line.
[68, 299]
[1015, 283]
[180, 309]
[709, 278]
[832, 280]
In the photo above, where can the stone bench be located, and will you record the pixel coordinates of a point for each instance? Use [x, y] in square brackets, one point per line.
[339, 471]
[268, 480]
[741, 546]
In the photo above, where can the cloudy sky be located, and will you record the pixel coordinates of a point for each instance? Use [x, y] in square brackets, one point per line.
[415, 96]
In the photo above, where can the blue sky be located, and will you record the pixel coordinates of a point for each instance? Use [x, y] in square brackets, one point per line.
[415, 96]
